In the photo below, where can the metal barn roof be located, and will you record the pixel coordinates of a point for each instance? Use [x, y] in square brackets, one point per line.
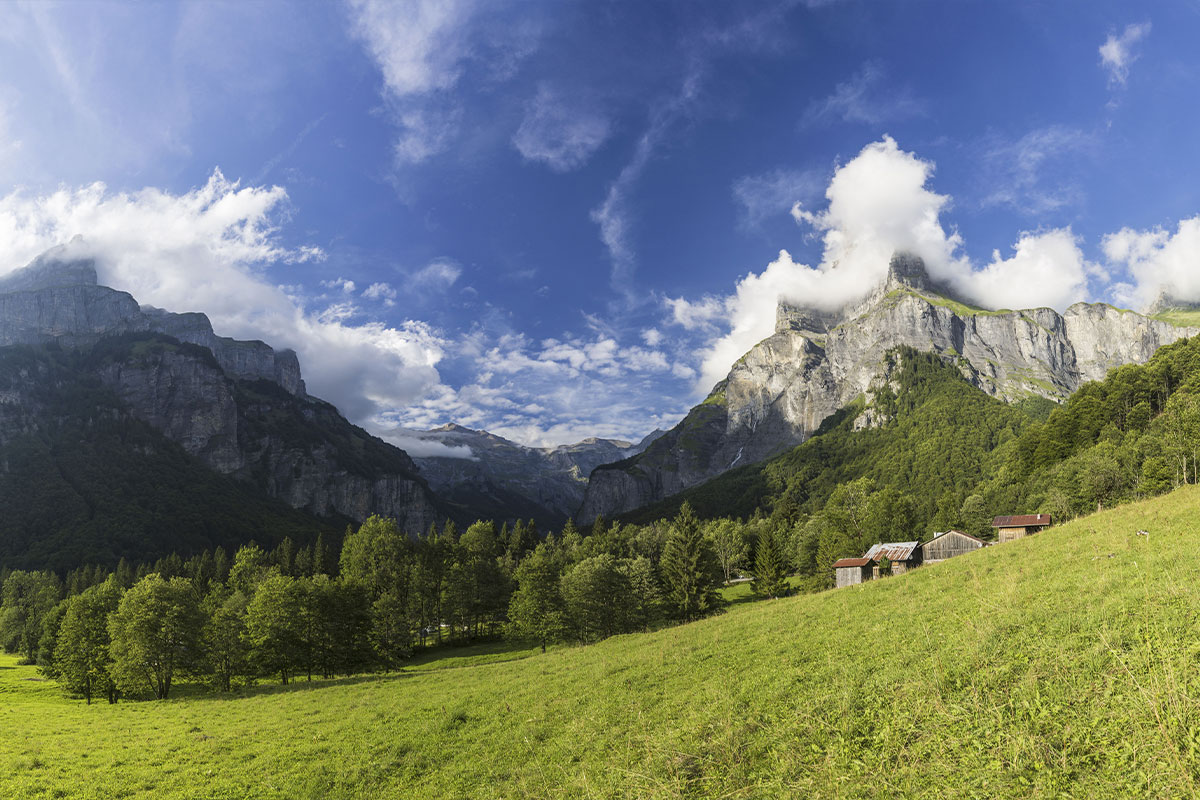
[892, 551]
[1021, 521]
[851, 562]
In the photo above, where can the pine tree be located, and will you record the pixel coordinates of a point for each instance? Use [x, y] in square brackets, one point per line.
[689, 568]
[770, 565]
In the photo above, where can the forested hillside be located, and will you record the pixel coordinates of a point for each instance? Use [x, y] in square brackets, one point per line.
[942, 454]
[83, 482]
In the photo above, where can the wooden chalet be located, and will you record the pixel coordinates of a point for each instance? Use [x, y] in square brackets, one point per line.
[902, 555]
[948, 545]
[851, 571]
[1019, 526]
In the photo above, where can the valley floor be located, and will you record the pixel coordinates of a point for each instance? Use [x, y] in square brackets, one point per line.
[1063, 665]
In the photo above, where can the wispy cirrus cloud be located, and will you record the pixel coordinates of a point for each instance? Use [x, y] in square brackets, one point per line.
[1032, 174]
[866, 97]
[561, 131]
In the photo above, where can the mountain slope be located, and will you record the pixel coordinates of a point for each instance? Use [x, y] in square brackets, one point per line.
[84, 481]
[504, 480]
[237, 408]
[778, 394]
[1061, 665]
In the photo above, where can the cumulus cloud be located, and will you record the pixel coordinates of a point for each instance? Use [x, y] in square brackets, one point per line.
[559, 131]
[1158, 262]
[382, 292]
[340, 284]
[1118, 52]
[878, 203]
[866, 98]
[207, 250]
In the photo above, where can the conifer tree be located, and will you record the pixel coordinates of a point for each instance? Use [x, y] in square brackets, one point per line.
[770, 565]
[689, 568]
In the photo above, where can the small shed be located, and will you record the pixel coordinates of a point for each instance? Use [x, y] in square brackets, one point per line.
[948, 545]
[1019, 526]
[851, 571]
[902, 555]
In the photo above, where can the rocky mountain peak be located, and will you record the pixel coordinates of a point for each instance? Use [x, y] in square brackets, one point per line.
[907, 271]
[56, 268]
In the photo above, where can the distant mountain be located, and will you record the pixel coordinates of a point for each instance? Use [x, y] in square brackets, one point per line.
[504, 480]
[86, 373]
[817, 362]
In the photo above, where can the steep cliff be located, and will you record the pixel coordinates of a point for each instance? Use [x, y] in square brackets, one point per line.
[815, 363]
[240, 408]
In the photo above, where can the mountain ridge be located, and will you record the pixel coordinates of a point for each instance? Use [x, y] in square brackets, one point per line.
[817, 362]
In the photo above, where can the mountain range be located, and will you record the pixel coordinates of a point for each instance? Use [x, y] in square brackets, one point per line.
[127, 430]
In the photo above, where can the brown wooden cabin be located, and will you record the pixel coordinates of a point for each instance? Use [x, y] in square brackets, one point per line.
[948, 545]
[902, 555]
[1019, 526]
[851, 571]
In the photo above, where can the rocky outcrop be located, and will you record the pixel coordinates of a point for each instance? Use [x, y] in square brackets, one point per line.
[239, 407]
[57, 298]
[506, 480]
[777, 395]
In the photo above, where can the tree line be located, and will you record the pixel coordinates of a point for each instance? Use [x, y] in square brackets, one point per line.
[295, 613]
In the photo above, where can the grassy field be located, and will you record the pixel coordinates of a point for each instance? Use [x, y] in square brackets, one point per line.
[1064, 665]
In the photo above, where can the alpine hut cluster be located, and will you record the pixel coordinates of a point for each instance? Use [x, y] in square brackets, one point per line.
[896, 558]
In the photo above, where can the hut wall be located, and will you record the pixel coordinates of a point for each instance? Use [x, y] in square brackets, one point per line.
[849, 576]
[947, 546]
[1012, 534]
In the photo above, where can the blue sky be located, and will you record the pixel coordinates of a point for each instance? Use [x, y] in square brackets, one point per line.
[562, 219]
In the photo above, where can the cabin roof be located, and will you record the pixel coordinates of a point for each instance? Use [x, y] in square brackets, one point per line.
[937, 536]
[892, 551]
[1022, 521]
[851, 562]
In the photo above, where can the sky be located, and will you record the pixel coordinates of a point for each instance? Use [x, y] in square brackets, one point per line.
[555, 220]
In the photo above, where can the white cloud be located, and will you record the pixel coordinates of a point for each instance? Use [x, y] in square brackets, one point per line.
[878, 203]
[422, 446]
[382, 292]
[1017, 172]
[1158, 263]
[775, 193]
[866, 98]
[423, 48]
[652, 337]
[560, 131]
[206, 250]
[1117, 52]
[436, 276]
[1045, 269]
[340, 284]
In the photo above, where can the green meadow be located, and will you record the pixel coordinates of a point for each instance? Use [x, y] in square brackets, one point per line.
[1066, 665]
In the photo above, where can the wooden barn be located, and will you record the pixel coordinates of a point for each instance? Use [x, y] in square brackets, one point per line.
[948, 545]
[1019, 526]
[851, 571]
[902, 555]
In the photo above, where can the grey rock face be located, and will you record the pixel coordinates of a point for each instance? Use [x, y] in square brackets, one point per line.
[56, 298]
[778, 394]
[202, 394]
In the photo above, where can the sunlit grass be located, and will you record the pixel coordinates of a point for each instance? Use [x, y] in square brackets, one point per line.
[1063, 665]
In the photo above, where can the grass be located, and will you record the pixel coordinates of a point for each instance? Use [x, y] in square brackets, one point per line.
[1065, 665]
[1180, 318]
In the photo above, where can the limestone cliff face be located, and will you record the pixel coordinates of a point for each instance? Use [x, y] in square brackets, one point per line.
[57, 298]
[777, 395]
[239, 407]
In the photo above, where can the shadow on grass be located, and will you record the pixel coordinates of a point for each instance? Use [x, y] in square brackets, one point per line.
[428, 659]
